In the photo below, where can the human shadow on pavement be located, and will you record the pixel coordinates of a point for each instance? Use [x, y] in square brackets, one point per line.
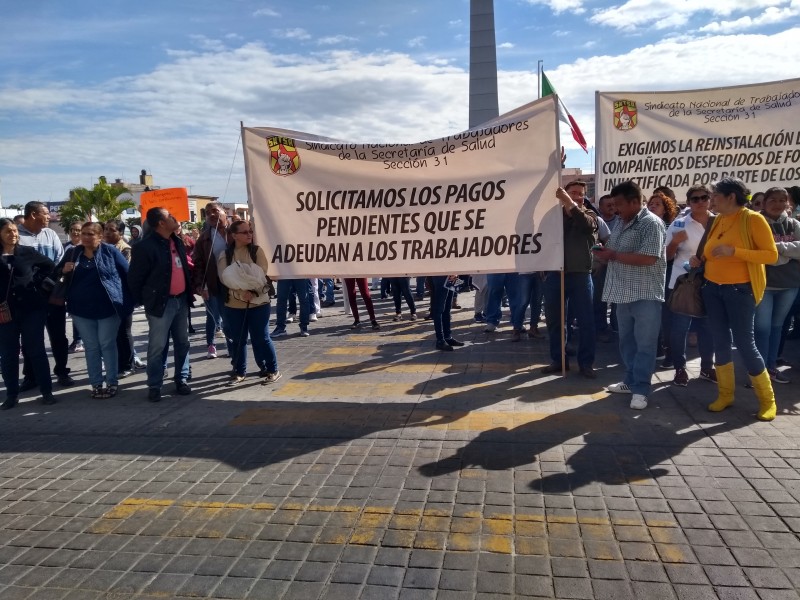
[612, 448]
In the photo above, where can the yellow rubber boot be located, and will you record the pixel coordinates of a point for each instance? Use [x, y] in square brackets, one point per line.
[725, 388]
[762, 386]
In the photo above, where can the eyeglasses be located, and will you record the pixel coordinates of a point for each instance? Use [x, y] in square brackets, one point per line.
[702, 198]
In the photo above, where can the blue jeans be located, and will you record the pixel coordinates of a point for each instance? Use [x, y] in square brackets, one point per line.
[679, 327]
[285, 288]
[420, 287]
[529, 293]
[770, 315]
[600, 307]
[253, 321]
[30, 326]
[325, 287]
[173, 321]
[731, 310]
[496, 282]
[639, 323]
[578, 295]
[100, 345]
[213, 317]
[401, 289]
[441, 303]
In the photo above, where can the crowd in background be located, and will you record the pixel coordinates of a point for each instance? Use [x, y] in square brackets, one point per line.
[622, 257]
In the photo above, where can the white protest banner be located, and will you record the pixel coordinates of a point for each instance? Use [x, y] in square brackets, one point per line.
[478, 201]
[680, 139]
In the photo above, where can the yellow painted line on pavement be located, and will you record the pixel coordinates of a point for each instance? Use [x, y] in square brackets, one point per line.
[411, 367]
[401, 416]
[434, 529]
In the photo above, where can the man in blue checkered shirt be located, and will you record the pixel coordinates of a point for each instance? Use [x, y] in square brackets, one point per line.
[637, 267]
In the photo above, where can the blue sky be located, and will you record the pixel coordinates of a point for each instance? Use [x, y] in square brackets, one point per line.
[90, 88]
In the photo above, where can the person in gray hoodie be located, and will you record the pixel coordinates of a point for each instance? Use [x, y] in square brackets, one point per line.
[783, 280]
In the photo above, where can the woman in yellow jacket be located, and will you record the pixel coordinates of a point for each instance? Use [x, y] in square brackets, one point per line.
[739, 244]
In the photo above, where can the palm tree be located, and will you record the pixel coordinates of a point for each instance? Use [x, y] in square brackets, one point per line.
[98, 204]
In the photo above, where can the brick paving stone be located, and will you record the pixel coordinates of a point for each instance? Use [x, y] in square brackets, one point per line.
[612, 590]
[736, 593]
[572, 587]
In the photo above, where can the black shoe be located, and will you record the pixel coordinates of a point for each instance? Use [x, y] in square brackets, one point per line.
[375, 324]
[48, 399]
[65, 381]
[588, 372]
[552, 368]
[328, 304]
[27, 385]
[10, 402]
[442, 345]
[154, 395]
[182, 388]
[666, 364]
[454, 342]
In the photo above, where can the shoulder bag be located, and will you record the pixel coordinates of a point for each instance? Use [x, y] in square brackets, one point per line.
[686, 297]
[5, 309]
[58, 295]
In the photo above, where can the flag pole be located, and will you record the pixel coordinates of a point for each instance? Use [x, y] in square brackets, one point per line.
[539, 67]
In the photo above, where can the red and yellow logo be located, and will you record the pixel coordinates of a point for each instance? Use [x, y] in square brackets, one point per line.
[625, 117]
[283, 156]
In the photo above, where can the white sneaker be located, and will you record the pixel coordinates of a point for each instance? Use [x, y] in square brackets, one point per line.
[212, 351]
[312, 317]
[490, 327]
[290, 319]
[619, 388]
[304, 333]
[638, 402]
[319, 313]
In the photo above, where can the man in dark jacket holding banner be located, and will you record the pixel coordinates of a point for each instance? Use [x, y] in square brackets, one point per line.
[580, 231]
[159, 279]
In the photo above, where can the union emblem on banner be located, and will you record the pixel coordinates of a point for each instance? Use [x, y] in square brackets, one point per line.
[625, 117]
[283, 156]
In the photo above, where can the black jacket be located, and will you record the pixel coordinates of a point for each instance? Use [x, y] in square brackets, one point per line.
[30, 268]
[151, 272]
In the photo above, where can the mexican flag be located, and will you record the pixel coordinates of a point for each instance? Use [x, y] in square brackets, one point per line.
[563, 113]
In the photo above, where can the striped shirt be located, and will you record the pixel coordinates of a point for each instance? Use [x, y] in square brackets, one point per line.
[644, 234]
[45, 242]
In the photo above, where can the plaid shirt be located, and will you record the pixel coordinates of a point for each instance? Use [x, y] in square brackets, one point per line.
[644, 234]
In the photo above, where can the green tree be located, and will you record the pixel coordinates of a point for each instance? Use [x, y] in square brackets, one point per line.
[98, 204]
[18, 207]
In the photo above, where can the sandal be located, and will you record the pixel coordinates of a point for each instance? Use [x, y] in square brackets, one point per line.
[99, 392]
[111, 391]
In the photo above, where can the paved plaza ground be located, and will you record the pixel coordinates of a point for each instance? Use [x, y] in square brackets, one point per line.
[381, 468]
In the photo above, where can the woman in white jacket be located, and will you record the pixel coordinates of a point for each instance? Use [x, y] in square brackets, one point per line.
[242, 270]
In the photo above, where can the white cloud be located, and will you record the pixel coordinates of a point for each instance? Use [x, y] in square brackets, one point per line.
[266, 12]
[770, 16]
[506, 45]
[181, 120]
[332, 40]
[559, 6]
[417, 42]
[665, 14]
[455, 23]
[297, 33]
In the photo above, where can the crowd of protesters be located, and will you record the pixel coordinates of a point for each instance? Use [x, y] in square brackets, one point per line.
[622, 259]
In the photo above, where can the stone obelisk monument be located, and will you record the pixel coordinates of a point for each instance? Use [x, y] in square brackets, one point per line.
[483, 104]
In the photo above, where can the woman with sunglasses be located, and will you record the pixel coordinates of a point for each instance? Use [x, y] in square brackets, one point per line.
[738, 245]
[242, 270]
[683, 239]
